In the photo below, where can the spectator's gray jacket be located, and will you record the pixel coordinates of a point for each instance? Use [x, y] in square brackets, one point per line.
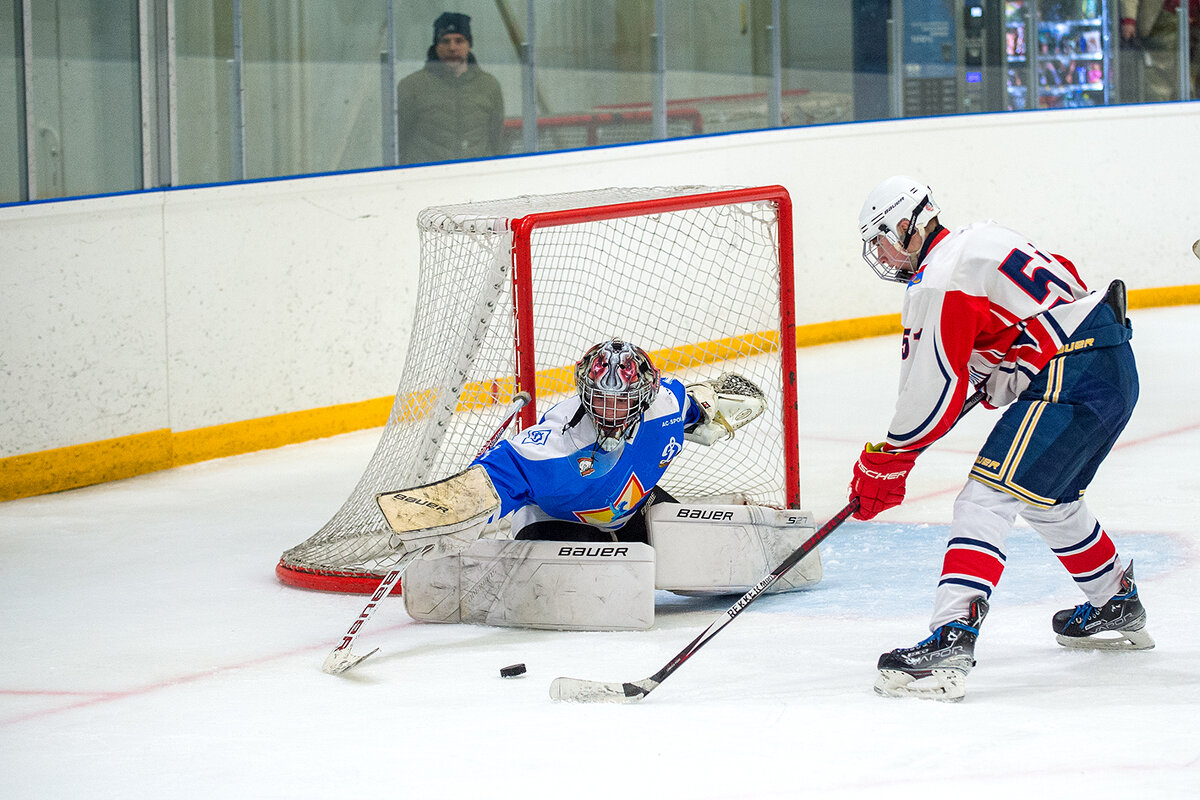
[444, 117]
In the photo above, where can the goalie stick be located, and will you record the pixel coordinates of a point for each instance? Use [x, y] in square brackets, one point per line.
[578, 690]
[341, 658]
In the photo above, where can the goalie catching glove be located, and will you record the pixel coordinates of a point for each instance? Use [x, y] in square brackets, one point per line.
[879, 477]
[727, 403]
[440, 519]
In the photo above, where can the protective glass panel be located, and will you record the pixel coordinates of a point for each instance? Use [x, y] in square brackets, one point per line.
[451, 110]
[11, 90]
[86, 98]
[311, 80]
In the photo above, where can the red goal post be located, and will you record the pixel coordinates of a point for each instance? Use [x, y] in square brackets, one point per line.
[513, 291]
[524, 228]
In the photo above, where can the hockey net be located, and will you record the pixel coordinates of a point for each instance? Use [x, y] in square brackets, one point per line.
[512, 293]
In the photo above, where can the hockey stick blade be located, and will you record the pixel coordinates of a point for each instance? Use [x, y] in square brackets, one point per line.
[339, 661]
[342, 657]
[582, 691]
[577, 690]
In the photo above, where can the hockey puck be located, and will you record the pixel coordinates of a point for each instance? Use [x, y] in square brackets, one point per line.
[512, 671]
[1196, 248]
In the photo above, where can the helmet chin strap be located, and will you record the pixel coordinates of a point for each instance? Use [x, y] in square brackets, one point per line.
[912, 223]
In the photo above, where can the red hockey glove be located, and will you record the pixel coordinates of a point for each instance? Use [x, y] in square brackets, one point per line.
[878, 481]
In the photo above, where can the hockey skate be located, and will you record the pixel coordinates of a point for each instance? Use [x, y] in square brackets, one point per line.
[936, 668]
[1119, 624]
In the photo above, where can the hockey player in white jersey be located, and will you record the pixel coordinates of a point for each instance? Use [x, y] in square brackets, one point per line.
[984, 308]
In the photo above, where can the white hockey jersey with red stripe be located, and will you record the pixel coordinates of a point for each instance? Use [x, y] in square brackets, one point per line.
[985, 308]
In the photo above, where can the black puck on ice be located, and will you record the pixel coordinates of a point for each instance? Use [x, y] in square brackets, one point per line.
[512, 671]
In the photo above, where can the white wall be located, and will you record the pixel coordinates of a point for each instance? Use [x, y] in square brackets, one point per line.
[197, 307]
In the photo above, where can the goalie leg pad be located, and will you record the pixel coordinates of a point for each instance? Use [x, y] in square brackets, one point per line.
[537, 584]
[719, 549]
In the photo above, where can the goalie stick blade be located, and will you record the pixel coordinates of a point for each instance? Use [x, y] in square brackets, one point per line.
[339, 661]
[575, 690]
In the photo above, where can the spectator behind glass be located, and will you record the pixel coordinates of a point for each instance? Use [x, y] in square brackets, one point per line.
[1154, 25]
[451, 109]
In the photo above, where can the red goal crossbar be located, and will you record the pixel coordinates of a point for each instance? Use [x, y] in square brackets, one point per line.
[522, 277]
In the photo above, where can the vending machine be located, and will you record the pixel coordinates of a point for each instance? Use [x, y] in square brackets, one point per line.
[926, 57]
[1058, 53]
[951, 56]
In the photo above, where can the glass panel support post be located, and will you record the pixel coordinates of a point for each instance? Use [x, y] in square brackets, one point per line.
[658, 55]
[145, 96]
[1185, 55]
[28, 167]
[1032, 51]
[1113, 57]
[529, 93]
[237, 109]
[168, 97]
[775, 95]
[389, 131]
[895, 27]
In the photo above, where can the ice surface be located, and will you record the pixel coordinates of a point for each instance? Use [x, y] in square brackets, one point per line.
[150, 651]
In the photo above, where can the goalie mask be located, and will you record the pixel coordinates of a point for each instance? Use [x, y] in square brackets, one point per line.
[617, 383]
[885, 245]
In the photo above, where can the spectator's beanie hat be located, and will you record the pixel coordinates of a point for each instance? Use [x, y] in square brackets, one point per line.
[450, 22]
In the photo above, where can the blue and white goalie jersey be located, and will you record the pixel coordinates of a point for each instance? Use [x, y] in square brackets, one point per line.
[556, 466]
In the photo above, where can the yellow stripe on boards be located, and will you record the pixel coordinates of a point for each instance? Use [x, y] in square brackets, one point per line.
[70, 467]
[137, 454]
[84, 464]
[235, 438]
[1165, 296]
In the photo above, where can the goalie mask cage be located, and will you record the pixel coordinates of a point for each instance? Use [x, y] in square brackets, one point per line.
[512, 293]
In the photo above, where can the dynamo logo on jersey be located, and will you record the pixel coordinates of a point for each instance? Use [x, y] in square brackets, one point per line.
[631, 494]
[669, 452]
[536, 436]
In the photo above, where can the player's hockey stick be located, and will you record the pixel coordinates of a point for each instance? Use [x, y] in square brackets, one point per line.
[341, 658]
[578, 690]
[583, 691]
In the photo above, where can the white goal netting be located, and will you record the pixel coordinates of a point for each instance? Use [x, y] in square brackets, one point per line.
[698, 288]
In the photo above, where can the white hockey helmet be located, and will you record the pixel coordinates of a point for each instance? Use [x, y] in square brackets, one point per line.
[617, 382]
[897, 198]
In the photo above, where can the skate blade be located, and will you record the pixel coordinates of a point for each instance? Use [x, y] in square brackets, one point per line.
[943, 685]
[1110, 640]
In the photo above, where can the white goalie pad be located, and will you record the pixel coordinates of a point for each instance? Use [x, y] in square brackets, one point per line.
[441, 518]
[727, 549]
[551, 585]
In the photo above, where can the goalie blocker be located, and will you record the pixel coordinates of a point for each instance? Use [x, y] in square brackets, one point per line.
[441, 518]
[694, 550]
